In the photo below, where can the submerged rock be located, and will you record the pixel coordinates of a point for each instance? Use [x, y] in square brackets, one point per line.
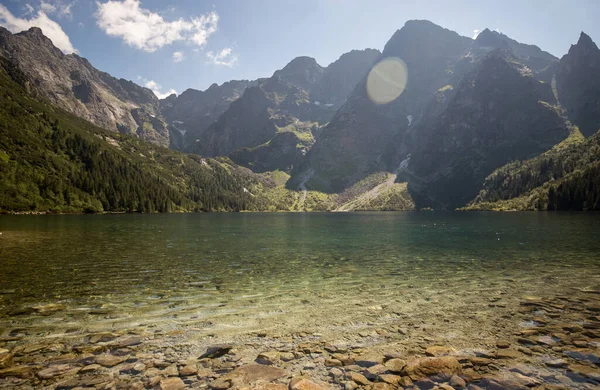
[256, 373]
[107, 360]
[172, 384]
[216, 351]
[304, 384]
[6, 359]
[429, 366]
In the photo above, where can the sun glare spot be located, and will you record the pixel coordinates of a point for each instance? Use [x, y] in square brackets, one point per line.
[387, 80]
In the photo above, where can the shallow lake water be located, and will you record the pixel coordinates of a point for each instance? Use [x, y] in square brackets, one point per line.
[457, 277]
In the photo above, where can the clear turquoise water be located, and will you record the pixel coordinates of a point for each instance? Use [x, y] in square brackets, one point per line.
[243, 271]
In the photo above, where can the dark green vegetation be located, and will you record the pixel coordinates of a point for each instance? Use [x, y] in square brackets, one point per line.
[53, 161]
[567, 177]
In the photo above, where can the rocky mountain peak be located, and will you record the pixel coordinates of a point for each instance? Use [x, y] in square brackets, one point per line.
[584, 46]
[492, 39]
[301, 72]
[578, 84]
[420, 34]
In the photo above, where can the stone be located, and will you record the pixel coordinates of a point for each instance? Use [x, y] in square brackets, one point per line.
[556, 363]
[502, 344]
[52, 371]
[304, 384]
[457, 382]
[129, 342]
[220, 384]
[190, 369]
[216, 351]
[335, 372]
[425, 384]
[438, 350]
[406, 382]
[508, 354]
[171, 371]
[17, 371]
[256, 372]
[332, 363]
[509, 380]
[272, 386]
[376, 370]
[90, 368]
[359, 378]
[31, 348]
[580, 343]
[382, 386]
[287, 356]
[6, 359]
[429, 366]
[368, 360]
[395, 365]
[108, 360]
[172, 383]
[583, 370]
[444, 386]
[269, 357]
[479, 361]
[48, 309]
[390, 378]
[349, 385]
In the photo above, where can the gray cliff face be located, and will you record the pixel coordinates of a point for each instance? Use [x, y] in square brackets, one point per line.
[469, 106]
[73, 84]
[498, 113]
[297, 99]
[578, 84]
[358, 140]
[192, 112]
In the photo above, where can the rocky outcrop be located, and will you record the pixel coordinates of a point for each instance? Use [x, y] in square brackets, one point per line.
[578, 84]
[499, 113]
[72, 83]
[193, 111]
[296, 99]
[357, 141]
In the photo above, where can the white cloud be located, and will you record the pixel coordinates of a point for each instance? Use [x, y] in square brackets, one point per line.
[61, 8]
[178, 56]
[225, 57]
[147, 30]
[30, 9]
[50, 28]
[156, 88]
[475, 33]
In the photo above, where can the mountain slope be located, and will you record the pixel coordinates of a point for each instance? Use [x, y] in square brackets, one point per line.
[51, 161]
[498, 113]
[193, 111]
[296, 99]
[578, 84]
[358, 140]
[469, 106]
[72, 83]
[567, 177]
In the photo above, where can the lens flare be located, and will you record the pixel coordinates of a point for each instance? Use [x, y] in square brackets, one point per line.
[387, 80]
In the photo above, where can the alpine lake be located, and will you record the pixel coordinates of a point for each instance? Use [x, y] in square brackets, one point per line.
[301, 301]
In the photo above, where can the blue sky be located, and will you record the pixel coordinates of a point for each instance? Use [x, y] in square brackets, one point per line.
[175, 45]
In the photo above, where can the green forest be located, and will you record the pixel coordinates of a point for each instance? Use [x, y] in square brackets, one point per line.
[52, 161]
[567, 177]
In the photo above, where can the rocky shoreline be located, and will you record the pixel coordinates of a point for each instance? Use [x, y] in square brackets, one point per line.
[555, 345]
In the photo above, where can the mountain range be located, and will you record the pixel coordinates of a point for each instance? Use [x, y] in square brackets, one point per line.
[485, 123]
